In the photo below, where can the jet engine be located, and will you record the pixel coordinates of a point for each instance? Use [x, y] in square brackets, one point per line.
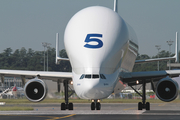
[35, 90]
[167, 89]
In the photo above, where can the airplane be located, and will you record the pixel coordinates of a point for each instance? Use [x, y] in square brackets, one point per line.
[13, 91]
[17, 91]
[6, 92]
[102, 49]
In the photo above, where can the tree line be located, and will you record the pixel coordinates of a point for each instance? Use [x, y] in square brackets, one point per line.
[152, 66]
[22, 59]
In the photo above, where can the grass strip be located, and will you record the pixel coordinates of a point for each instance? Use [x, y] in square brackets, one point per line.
[24, 101]
[15, 108]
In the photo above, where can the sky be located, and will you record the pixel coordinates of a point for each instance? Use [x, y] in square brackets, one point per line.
[28, 23]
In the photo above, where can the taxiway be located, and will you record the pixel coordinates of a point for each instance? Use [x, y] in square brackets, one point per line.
[109, 111]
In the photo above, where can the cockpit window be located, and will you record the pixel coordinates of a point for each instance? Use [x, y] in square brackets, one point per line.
[95, 76]
[88, 76]
[102, 76]
[82, 76]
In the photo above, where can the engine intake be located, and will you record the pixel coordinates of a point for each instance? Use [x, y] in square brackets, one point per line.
[167, 89]
[35, 90]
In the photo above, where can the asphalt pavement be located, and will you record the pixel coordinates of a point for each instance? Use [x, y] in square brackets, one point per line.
[109, 111]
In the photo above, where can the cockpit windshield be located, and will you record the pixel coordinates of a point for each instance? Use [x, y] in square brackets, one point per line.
[88, 76]
[93, 76]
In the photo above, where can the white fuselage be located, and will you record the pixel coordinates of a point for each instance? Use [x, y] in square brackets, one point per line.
[99, 45]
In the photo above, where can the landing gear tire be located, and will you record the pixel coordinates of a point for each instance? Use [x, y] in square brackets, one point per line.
[70, 106]
[66, 105]
[143, 104]
[140, 106]
[147, 106]
[92, 106]
[98, 106]
[63, 106]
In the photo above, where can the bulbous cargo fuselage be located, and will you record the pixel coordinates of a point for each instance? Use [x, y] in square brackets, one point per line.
[96, 40]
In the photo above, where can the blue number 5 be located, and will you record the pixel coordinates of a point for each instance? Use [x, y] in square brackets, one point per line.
[89, 39]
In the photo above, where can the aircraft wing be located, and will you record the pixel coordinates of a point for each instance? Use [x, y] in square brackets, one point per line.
[131, 77]
[156, 59]
[32, 74]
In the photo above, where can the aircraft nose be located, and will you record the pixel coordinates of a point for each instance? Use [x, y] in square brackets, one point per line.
[95, 89]
[92, 89]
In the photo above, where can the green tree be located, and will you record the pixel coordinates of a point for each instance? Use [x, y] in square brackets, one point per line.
[152, 66]
[6, 59]
[65, 66]
[16, 59]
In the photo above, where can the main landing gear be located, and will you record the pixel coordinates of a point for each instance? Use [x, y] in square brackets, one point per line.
[143, 104]
[96, 105]
[66, 105]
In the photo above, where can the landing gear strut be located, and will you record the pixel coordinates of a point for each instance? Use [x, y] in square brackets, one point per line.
[95, 105]
[143, 104]
[66, 105]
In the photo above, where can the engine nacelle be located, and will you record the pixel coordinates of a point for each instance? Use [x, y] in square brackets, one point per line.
[35, 90]
[167, 89]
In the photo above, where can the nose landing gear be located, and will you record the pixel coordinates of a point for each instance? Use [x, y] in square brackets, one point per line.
[96, 105]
